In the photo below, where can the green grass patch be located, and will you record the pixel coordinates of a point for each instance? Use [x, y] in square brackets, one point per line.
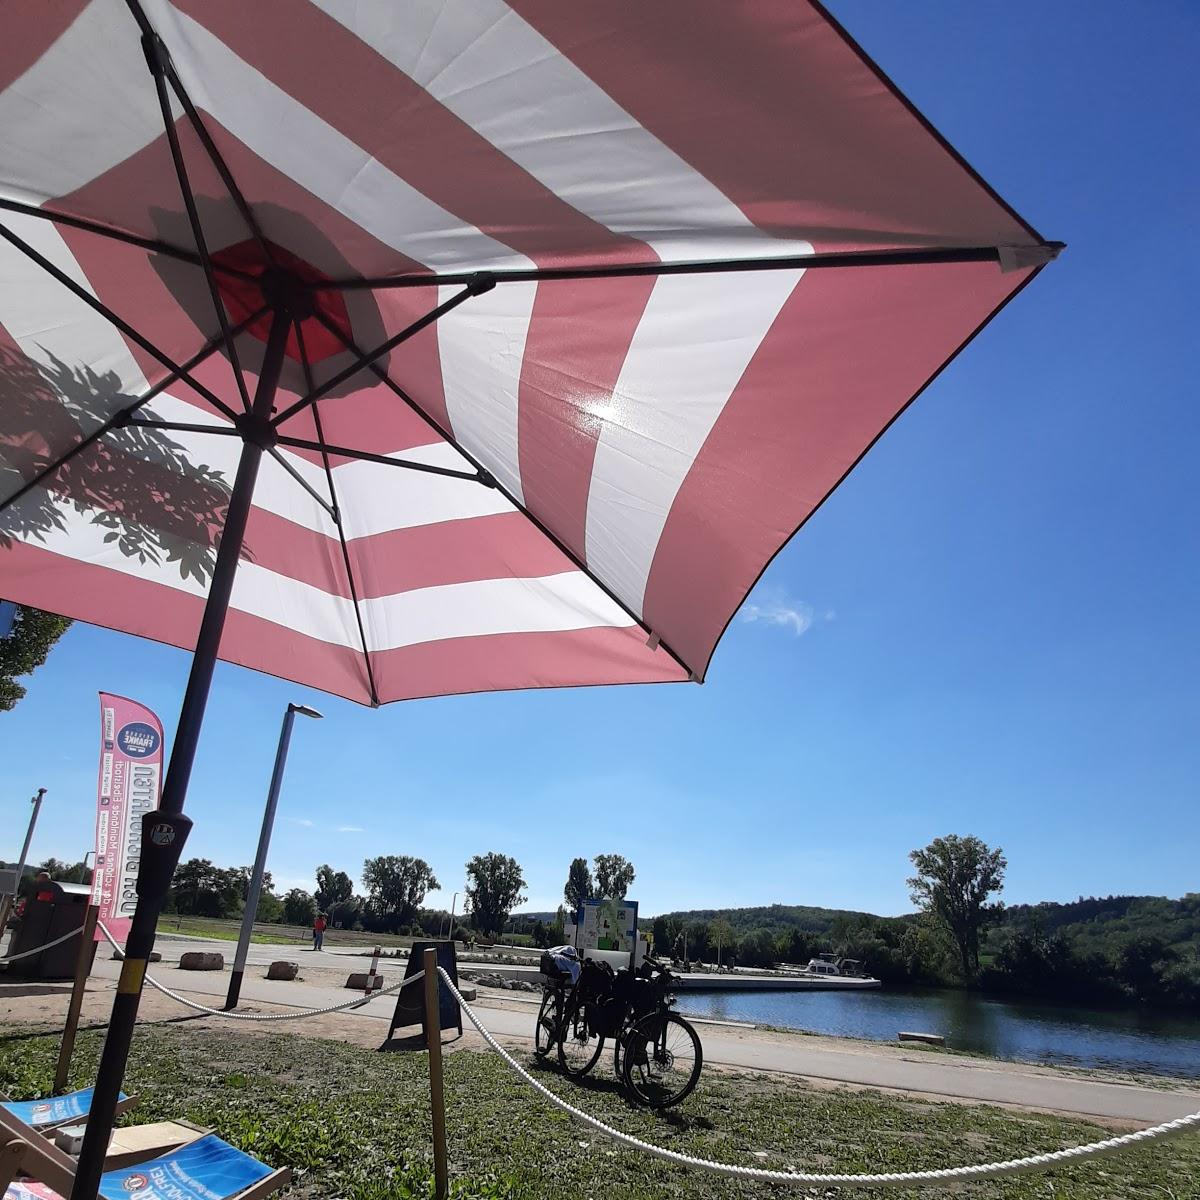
[354, 1124]
[229, 928]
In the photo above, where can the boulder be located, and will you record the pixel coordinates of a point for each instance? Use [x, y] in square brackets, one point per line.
[358, 981]
[283, 970]
[201, 960]
[467, 993]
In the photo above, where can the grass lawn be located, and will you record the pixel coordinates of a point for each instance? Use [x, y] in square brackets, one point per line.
[228, 929]
[354, 1124]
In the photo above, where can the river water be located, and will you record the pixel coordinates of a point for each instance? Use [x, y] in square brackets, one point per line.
[1131, 1039]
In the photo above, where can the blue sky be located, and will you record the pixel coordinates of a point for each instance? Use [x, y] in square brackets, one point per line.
[991, 628]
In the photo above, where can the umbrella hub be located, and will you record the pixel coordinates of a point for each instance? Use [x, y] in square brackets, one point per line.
[283, 283]
[257, 429]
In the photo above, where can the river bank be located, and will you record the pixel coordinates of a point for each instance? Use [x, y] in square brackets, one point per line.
[820, 1061]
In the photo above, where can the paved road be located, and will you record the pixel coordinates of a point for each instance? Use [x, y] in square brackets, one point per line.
[960, 1078]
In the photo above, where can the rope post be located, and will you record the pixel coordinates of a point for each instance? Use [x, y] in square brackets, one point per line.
[433, 1039]
[83, 968]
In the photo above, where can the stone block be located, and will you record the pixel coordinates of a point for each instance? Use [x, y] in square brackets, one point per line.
[358, 980]
[154, 955]
[201, 960]
[283, 970]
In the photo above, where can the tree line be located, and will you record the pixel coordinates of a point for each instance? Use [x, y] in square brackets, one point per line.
[394, 887]
[394, 891]
[1120, 949]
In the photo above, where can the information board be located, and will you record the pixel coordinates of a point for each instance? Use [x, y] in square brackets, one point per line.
[607, 925]
[410, 1001]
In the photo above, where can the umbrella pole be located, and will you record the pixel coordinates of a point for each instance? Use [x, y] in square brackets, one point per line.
[165, 830]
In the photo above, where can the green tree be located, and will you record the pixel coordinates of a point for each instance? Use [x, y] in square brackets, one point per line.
[299, 908]
[270, 907]
[494, 888]
[30, 640]
[954, 880]
[345, 914]
[333, 887]
[201, 889]
[396, 885]
[579, 885]
[721, 934]
[614, 876]
[757, 949]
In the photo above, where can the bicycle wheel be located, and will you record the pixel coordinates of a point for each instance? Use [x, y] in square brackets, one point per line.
[663, 1058]
[578, 1047]
[545, 1037]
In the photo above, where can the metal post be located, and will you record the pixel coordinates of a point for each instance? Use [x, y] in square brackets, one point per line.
[373, 973]
[260, 860]
[264, 842]
[450, 930]
[165, 830]
[437, 1104]
[8, 901]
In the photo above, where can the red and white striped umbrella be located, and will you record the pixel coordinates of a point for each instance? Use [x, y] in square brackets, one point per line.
[667, 269]
[452, 345]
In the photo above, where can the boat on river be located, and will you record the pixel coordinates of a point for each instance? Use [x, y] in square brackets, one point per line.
[824, 973]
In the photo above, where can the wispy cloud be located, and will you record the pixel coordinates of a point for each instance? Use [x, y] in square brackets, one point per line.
[776, 609]
[306, 823]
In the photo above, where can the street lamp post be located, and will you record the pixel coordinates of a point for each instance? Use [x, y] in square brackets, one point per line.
[7, 902]
[453, 902]
[264, 842]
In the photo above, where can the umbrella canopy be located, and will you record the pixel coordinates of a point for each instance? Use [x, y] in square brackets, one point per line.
[649, 279]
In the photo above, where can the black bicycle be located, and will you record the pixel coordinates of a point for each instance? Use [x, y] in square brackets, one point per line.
[550, 1016]
[656, 1053]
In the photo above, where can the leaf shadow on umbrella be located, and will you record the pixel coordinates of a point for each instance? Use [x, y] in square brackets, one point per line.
[158, 506]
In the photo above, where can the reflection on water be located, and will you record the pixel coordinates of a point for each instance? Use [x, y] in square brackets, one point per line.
[1131, 1039]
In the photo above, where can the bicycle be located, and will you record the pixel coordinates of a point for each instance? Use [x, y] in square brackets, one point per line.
[657, 1054]
[548, 1031]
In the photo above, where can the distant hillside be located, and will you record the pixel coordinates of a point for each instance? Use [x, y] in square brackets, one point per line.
[776, 918]
[1097, 923]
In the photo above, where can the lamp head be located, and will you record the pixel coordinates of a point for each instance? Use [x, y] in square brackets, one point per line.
[304, 710]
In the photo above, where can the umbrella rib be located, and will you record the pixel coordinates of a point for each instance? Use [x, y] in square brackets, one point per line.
[486, 476]
[326, 507]
[476, 285]
[408, 464]
[210, 147]
[151, 245]
[793, 262]
[183, 427]
[156, 60]
[337, 518]
[122, 418]
[93, 302]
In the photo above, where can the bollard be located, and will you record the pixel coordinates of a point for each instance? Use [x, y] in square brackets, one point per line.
[433, 1039]
[371, 984]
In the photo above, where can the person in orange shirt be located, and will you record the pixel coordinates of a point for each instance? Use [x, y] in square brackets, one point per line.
[319, 931]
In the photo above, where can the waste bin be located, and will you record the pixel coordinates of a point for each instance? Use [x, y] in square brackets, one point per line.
[43, 921]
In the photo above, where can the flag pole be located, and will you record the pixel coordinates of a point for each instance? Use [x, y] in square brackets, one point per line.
[165, 830]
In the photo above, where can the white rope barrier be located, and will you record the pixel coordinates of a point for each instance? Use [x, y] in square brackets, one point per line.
[357, 1002]
[66, 937]
[1035, 1162]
